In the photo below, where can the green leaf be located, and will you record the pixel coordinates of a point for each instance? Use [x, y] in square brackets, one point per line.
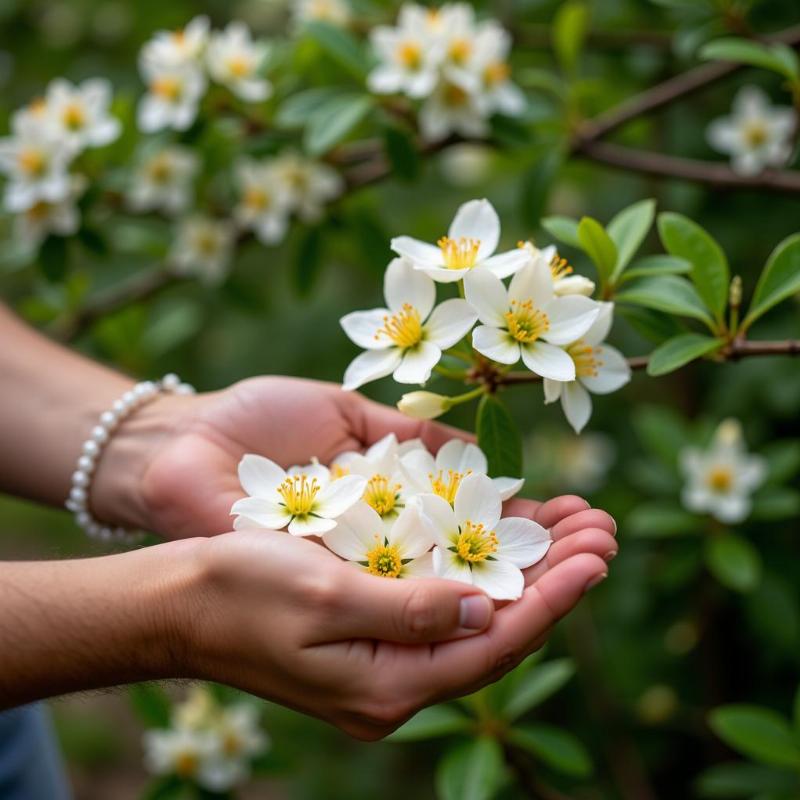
[307, 260]
[402, 153]
[474, 770]
[53, 258]
[661, 521]
[168, 787]
[651, 325]
[775, 503]
[659, 264]
[539, 683]
[746, 51]
[783, 460]
[758, 733]
[557, 748]
[597, 244]
[797, 710]
[627, 230]
[431, 722]
[709, 267]
[535, 187]
[178, 322]
[341, 46]
[334, 120]
[677, 352]
[499, 438]
[733, 561]
[779, 280]
[151, 703]
[661, 431]
[739, 779]
[570, 26]
[669, 293]
[565, 229]
[296, 110]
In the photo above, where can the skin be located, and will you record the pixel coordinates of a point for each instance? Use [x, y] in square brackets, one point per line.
[276, 615]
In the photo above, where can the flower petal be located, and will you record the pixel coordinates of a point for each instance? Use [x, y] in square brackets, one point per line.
[461, 456]
[311, 526]
[447, 566]
[416, 466]
[362, 328]
[437, 513]
[548, 361]
[421, 567]
[478, 501]
[355, 533]
[411, 535]
[370, 366]
[264, 513]
[260, 476]
[404, 284]
[504, 264]
[602, 325]
[500, 579]
[497, 344]
[477, 219]
[552, 390]
[419, 253]
[487, 295]
[340, 495]
[613, 371]
[522, 541]
[508, 487]
[570, 318]
[533, 282]
[450, 322]
[417, 363]
[577, 405]
[444, 274]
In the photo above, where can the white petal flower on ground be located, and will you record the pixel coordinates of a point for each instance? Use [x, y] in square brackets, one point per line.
[564, 281]
[169, 49]
[303, 498]
[442, 475]
[264, 202]
[334, 12]
[308, 184]
[599, 368]
[163, 181]
[234, 59]
[469, 245]
[407, 338]
[528, 320]
[172, 99]
[62, 218]
[400, 550]
[474, 545]
[756, 135]
[721, 479]
[202, 247]
[80, 115]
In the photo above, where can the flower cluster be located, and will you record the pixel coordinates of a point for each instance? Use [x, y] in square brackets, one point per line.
[47, 137]
[397, 512]
[543, 318]
[209, 744]
[456, 64]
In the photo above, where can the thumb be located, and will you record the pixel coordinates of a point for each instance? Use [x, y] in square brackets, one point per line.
[413, 609]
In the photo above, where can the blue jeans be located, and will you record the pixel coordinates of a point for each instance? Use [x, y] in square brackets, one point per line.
[30, 766]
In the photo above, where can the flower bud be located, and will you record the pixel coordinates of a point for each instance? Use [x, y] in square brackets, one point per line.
[574, 284]
[735, 292]
[423, 405]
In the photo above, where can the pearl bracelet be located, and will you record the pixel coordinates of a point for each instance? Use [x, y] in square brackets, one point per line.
[92, 450]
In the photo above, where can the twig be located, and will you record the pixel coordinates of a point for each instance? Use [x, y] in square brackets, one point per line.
[541, 36]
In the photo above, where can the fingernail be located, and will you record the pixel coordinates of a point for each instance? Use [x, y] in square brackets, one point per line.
[610, 555]
[594, 581]
[615, 525]
[475, 612]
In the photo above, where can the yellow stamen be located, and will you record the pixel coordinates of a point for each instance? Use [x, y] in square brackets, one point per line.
[586, 359]
[160, 169]
[559, 267]
[231, 744]
[38, 211]
[447, 487]
[298, 493]
[460, 50]
[73, 117]
[382, 495]
[526, 323]
[475, 543]
[755, 133]
[239, 66]
[410, 55]
[167, 87]
[720, 479]
[454, 96]
[339, 471]
[206, 242]
[186, 764]
[384, 560]
[257, 199]
[32, 162]
[496, 73]
[459, 253]
[404, 328]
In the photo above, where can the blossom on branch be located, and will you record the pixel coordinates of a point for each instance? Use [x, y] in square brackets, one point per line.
[235, 60]
[163, 181]
[202, 247]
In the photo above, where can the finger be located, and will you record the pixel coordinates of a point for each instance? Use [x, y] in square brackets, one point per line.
[453, 667]
[521, 507]
[554, 510]
[590, 518]
[411, 610]
[591, 540]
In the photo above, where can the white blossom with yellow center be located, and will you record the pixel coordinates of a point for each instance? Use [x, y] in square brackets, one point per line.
[474, 545]
[189, 754]
[399, 550]
[180, 48]
[308, 184]
[599, 369]
[234, 59]
[80, 116]
[62, 218]
[304, 498]
[721, 479]
[454, 108]
[469, 246]
[528, 320]
[565, 281]
[407, 338]
[163, 180]
[334, 12]
[264, 203]
[173, 96]
[756, 135]
[202, 247]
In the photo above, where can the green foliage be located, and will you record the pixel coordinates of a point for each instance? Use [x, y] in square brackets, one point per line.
[745, 780]
[402, 152]
[537, 685]
[599, 246]
[628, 230]
[473, 770]
[775, 57]
[565, 229]
[570, 26]
[779, 280]
[678, 352]
[733, 561]
[656, 265]
[151, 704]
[341, 46]
[432, 722]
[671, 294]
[557, 748]
[333, 120]
[499, 437]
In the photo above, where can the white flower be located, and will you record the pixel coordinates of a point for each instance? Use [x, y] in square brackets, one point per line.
[756, 135]
[564, 282]
[34, 224]
[721, 479]
[35, 163]
[163, 181]
[240, 738]
[496, 91]
[469, 245]
[202, 247]
[399, 550]
[334, 12]
[264, 204]
[308, 184]
[79, 115]
[454, 461]
[189, 754]
[234, 60]
[599, 368]
[305, 498]
[452, 109]
[407, 338]
[173, 97]
[423, 405]
[409, 56]
[528, 320]
[474, 545]
[184, 47]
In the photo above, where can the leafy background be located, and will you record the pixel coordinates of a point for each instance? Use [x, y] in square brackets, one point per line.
[626, 707]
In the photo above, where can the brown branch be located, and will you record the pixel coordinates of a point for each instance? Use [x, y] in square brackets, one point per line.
[540, 36]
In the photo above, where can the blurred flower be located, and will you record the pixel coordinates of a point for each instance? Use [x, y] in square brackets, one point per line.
[657, 704]
[239, 739]
[308, 184]
[720, 479]
[496, 92]
[756, 135]
[564, 282]
[466, 164]
[443, 474]
[398, 550]
[528, 320]
[334, 12]
[79, 115]
[234, 60]
[189, 754]
[62, 217]
[202, 247]
[469, 245]
[451, 109]
[423, 405]
[163, 181]
[303, 498]
[167, 50]
[264, 204]
[473, 545]
[407, 338]
[576, 463]
[173, 96]
[599, 368]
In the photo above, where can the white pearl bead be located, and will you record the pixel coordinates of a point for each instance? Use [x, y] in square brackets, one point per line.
[108, 419]
[170, 382]
[119, 408]
[80, 478]
[129, 399]
[71, 505]
[90, 448]
[185, 388]
[104, 534]
[78, 495]
[83, 518]
[86, 463]
[93, 529]
[99, 434]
